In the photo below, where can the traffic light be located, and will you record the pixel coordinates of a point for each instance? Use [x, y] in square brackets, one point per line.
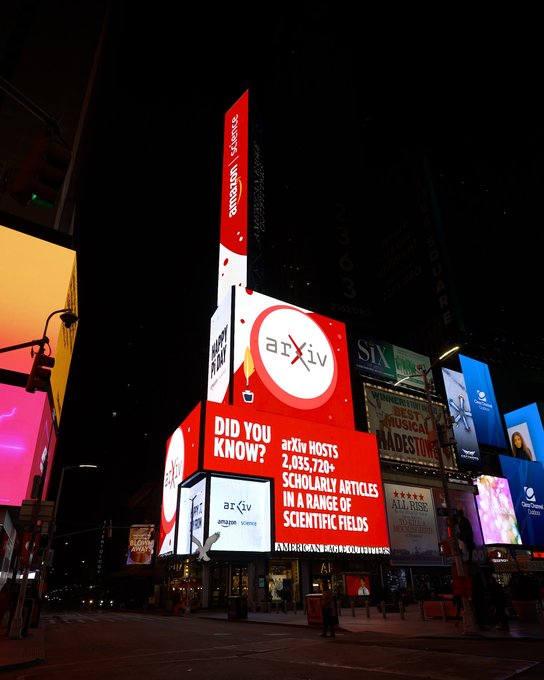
[40, 374]
[42, 173]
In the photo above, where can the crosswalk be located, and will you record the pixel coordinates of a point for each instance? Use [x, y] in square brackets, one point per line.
[93, 616]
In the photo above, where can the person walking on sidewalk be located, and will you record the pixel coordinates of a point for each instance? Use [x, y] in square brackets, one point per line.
[328, 611]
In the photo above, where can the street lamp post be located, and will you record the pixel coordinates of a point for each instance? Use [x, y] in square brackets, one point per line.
[53, 526]
[16, 628]
[68, 318]
[187, 603]
[468, 617]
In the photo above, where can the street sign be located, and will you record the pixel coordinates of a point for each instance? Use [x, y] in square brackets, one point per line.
[36, 510]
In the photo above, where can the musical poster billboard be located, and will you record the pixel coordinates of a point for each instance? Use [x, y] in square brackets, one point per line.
[411, 518]
[403, 427]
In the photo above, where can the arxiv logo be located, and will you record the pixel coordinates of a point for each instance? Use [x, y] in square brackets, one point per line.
[294, 357]
[241, 506]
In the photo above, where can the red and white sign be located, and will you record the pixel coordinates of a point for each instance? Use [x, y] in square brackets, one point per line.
[234, 199]
[181, 462]
[285, 360]
[328, 493]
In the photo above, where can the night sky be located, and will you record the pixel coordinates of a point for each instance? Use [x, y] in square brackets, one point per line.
[338, 94]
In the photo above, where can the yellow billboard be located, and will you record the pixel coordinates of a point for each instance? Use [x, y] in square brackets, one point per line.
[37, 277]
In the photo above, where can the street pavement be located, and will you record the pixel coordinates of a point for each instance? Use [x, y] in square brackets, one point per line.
[32, 649]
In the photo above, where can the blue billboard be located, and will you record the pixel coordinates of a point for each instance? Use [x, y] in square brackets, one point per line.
[468, 451]
[526, 482]
[482, 402]
[525, 432]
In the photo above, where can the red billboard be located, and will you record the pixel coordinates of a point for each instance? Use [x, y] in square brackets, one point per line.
[182, 450]
[234, 198]
[328, 494]
[279, 358]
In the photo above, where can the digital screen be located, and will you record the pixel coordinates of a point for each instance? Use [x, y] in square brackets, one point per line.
[240, 513]
[25, 427]
[182, 451]
[496, 511]
[234, 198]
[141, 544]
[328, 492]
[468, 451]
[526, 483]
[527, 423]
[192, 514]
[290, 361]
[36, 277]
[482, 402]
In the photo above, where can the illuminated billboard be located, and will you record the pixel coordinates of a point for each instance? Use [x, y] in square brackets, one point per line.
[182, 451]
[26, 436]
[240, 512]
[35, 279]
[468, 451]
[384, 360]
[191, 517]
[242, 199]
[141, 544]
[411, 517]
[482, 402]
[525, 432]
[496, 511]
[285, 360]
[403, 428]
[526, 483]
[327, 486]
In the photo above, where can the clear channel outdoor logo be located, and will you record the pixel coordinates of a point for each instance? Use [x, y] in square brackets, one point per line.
[530, 494]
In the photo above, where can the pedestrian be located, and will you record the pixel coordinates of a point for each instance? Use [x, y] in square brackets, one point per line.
[498, 602]
[14, 588]
[457, 600]
[5, 600]
[465, 533]
[328, 611]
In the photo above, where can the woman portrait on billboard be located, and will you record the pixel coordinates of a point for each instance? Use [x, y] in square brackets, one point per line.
[520, 448]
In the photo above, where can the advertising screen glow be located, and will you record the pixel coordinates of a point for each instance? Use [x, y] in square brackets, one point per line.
[23, 434]
[327, 481]
[181, 461]
[240, 512]
[496, 511]
[526, 483]
[527, 421]
[482, 402]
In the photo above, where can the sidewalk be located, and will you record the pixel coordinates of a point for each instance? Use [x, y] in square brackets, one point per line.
[32, 649]
[359, 620]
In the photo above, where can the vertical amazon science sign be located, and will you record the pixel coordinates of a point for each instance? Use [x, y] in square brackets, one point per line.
[328, 494]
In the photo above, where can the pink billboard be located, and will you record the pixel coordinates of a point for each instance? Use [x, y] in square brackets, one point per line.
[26, 437]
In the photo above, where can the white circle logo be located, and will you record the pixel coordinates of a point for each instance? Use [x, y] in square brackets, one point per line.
[293, 357]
